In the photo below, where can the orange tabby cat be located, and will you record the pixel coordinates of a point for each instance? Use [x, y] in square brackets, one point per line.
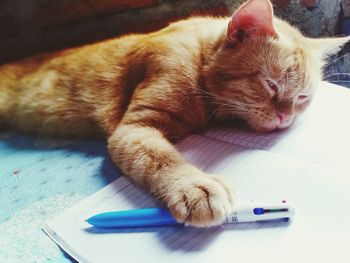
[143, 91]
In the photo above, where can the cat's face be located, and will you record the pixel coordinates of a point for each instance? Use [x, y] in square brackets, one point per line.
[266, 83]
[266, 72]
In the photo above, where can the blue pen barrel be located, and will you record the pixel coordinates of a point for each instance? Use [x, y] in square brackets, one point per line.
[133, 218]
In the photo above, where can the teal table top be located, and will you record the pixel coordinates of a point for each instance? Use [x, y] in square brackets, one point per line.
[39, 179]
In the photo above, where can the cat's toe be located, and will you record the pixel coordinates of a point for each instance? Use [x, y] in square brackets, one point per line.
[203, 202]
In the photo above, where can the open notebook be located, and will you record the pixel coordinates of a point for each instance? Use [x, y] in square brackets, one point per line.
[306, 165]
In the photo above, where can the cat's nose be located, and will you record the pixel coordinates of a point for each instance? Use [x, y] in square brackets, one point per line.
[282, 117]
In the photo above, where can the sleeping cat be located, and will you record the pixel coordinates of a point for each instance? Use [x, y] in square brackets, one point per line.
[145, 91]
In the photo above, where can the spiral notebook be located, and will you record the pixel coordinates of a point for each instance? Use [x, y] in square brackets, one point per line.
[306, 165]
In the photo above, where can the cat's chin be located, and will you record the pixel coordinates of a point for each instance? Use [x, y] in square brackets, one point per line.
[272, 126]
[269, 128]
[264, 127]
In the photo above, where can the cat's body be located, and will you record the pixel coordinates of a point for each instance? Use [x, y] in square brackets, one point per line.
[143, 91]
[88, 89]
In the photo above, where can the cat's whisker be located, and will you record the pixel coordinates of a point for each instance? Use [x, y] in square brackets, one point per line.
[240, 109]
[235, 108]
[214, 112]
[237, 105]
[340, 81]
[245, 107]
[223, 105]
[224, 100]
[336, 74]
[230, 107]
[210, 96]
[214, 96]
[334, 61]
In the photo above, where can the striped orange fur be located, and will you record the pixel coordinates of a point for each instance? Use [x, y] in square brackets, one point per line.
[143, 92]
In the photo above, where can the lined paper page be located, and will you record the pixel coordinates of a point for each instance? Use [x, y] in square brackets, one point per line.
[320, 195]
[320, 135]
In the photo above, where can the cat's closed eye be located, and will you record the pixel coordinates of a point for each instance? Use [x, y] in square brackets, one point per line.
[302, 98]
[272, 87]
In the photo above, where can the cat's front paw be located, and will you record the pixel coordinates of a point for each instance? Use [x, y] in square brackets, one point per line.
[200, 200]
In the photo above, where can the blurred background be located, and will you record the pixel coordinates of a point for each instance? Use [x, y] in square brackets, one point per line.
[29, 27]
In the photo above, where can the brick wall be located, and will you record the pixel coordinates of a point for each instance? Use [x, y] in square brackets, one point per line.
[34, 26]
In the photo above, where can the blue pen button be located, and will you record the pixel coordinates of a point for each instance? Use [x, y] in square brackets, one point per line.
[258, 211]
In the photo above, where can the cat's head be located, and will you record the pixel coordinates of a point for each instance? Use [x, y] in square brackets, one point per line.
[266, 71]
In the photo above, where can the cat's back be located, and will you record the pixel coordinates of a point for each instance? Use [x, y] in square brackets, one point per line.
[184, 35]
[192, 33]
[179, 49]
[95, 82]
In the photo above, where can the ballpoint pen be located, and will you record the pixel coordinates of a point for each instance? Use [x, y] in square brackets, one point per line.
[162, 217]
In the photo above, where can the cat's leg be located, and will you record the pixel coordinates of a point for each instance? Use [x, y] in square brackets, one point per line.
[192, 196]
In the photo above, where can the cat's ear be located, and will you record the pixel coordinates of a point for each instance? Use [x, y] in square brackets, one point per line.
[328, 46]
[255, 17]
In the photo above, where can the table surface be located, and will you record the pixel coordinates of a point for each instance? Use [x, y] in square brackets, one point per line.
[39, 179]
